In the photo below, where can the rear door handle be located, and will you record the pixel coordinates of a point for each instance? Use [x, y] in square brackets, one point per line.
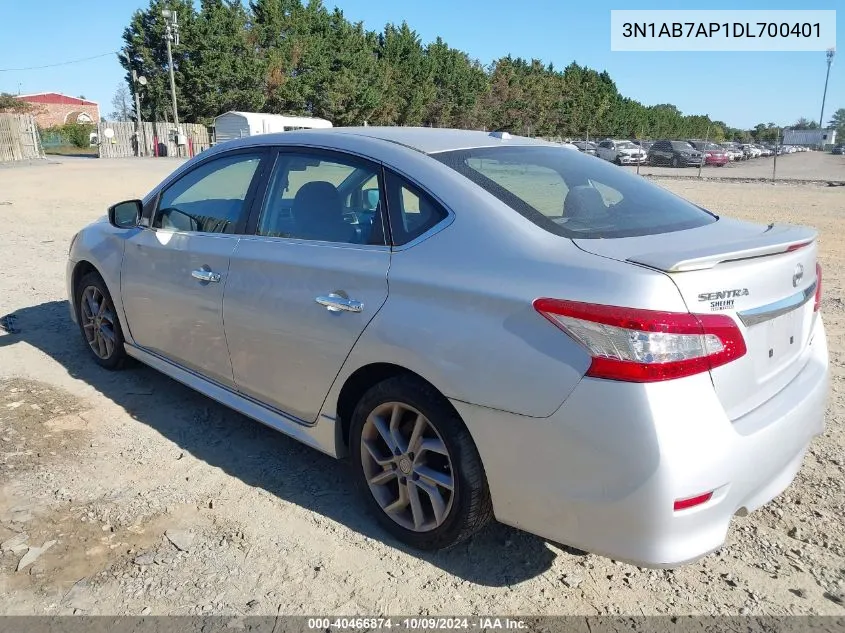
[337, 303]
[205, 275]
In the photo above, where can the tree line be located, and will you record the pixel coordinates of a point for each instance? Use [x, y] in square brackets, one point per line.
[283, 56]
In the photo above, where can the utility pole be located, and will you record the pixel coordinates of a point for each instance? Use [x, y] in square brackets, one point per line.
[830, 53]
[171, 34]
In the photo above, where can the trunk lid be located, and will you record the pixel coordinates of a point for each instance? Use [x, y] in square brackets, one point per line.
[763, 277]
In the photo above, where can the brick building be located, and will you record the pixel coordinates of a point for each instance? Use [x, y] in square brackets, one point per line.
[52, 108]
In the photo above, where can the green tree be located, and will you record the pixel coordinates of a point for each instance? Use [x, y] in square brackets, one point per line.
[837, 122]
[290, 56]
[146, 52]
[220, 69]
[11, 104]
[405, 77]
[459, 83]
[805, 124]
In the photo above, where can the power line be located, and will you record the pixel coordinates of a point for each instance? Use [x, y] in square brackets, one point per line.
[72, 61]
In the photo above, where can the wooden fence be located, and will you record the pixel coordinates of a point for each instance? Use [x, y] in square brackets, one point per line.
[156, 139]
[19, 139]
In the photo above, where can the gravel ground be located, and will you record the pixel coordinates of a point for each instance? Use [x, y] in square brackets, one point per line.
[126, 493]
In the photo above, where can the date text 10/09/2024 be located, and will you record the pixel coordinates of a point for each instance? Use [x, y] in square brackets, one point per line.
[721, 29]
[419, 623]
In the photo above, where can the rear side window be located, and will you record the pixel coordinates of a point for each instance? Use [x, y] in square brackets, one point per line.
[412, 211]
[571, 195]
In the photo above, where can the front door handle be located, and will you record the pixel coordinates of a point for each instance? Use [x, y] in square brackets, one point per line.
[205, 275]
[337, 303]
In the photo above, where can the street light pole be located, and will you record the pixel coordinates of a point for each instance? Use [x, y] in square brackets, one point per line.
[830, 53]
[137, 82]
[171, 34]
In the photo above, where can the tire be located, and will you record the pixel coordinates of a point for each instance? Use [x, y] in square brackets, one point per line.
[108, 350]
[675, 162]
[465, 509]
[618, 161]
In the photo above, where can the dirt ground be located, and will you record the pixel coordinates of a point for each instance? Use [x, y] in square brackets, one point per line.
[127, 493]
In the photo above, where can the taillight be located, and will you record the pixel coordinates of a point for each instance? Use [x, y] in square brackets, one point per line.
[636, 345]
[817, 304]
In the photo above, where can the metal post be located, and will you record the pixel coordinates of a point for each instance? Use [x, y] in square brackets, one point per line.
[169, 35]
[830, 53]
[704, 153]
[642, 140]
[138, 125]
[775, 163]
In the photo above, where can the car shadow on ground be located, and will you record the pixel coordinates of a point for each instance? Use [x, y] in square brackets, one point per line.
[262, 457]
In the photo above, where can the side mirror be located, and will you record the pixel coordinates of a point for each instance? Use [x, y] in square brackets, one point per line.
[125, 215]
[371, 197]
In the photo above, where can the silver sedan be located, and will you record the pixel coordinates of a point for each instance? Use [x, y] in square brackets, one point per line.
[485, 325]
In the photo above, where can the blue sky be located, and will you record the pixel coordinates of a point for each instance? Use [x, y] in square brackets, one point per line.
[741, 89]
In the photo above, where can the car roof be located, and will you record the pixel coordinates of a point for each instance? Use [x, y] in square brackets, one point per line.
[422, 139]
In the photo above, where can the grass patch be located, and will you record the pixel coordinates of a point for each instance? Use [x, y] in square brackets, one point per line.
[70, 150]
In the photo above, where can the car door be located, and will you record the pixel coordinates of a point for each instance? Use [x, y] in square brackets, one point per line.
[307, 280]
[665, 152]
[174, 270]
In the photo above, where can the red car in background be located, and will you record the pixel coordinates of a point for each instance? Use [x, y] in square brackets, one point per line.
[713, 154]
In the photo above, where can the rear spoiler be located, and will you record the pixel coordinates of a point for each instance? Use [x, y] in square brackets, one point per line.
[775, 240]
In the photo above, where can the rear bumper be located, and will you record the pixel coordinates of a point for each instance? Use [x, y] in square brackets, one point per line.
[712, 160]
[603, 472]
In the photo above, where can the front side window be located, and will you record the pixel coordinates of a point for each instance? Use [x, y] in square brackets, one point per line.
[323, 198]
[570, 195]
[210, 198]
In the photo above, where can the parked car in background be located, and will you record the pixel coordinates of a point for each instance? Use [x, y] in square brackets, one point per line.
[588, 147]
[764, 151]
[751, 150]
[615, 368]
[838, 149]
[733, 151]
[646, 145]
[621, 152]
[674, 153]
[714, 154]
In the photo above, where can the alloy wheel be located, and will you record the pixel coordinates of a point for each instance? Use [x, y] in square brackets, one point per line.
[98, 321]
[407, 467]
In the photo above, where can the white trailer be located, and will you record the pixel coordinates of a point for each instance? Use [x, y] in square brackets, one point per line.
[233, 125]
[812, 138]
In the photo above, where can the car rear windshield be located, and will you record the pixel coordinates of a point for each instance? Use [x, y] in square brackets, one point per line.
[682, 146]
[574, 195]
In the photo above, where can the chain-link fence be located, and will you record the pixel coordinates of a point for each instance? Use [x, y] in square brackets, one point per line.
[672, 156]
